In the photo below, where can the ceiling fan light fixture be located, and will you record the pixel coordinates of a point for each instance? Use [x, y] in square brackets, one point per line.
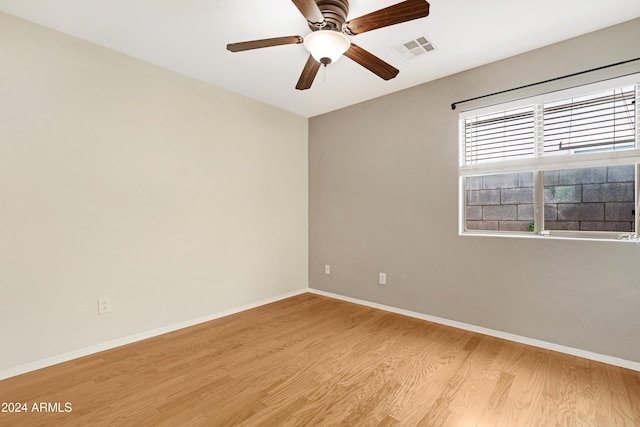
[326, 46]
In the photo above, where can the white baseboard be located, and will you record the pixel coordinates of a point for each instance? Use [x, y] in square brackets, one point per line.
[491, 332]
[43, 363]
[65, 357]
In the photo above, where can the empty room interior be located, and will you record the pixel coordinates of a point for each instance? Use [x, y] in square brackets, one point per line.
[190, 237]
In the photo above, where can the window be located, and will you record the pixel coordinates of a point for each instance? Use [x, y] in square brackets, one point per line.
[563, 164]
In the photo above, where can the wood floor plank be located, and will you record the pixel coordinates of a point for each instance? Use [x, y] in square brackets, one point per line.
[585, 403]
[313, 360]
[479, 378]
[497, 401]
[602, 398]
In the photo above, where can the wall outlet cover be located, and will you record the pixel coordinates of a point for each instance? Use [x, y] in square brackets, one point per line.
[383, 278]
[104, 305]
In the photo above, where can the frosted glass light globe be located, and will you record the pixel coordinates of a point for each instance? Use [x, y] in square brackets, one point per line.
[326, 46]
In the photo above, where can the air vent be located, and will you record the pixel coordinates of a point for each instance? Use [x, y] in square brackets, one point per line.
[413, 48]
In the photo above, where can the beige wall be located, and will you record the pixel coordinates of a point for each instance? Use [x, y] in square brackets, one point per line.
[383, 198]
[117, 178]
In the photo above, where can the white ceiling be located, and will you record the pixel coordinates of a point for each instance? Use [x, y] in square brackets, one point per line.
[190, 37]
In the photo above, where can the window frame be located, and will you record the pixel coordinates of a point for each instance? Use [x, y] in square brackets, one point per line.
[540, 163]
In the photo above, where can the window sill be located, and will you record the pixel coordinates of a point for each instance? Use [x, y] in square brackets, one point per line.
[558, 235]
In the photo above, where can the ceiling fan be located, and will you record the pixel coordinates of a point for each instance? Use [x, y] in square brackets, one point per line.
[328, 40]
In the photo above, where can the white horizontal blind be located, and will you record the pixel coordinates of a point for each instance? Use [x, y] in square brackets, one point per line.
[600, 122]
[582, 131]
[507, 135]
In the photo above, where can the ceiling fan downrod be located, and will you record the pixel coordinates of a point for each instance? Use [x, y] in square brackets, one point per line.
[334, 12]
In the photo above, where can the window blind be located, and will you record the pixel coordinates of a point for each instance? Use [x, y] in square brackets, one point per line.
[507, 135]
[603, 121]
[584, 130]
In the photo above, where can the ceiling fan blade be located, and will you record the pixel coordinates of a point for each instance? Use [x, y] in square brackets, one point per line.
[396, 14]
[257, 44]
[308, 74]
[309, 10]
[371, 62]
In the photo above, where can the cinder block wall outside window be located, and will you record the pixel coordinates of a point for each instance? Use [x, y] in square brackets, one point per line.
[588, 199]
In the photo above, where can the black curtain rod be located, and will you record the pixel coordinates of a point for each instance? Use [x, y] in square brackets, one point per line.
[453, 106]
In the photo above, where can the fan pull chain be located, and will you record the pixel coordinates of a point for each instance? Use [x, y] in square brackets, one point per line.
[324, 73]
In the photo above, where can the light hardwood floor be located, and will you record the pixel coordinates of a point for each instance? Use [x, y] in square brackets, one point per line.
[312, 360]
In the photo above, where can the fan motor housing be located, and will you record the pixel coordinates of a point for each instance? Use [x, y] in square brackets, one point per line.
[335, 14]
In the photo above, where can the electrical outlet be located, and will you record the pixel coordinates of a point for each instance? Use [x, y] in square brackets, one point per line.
[383, 278]
[327, 269]
[104, 305]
